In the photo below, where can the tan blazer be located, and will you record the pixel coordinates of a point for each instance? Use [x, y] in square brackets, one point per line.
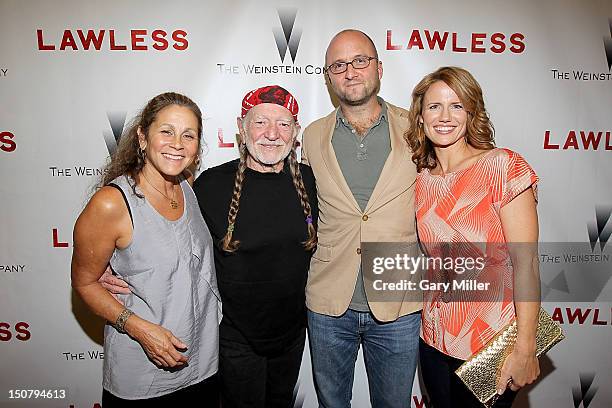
[388, 217]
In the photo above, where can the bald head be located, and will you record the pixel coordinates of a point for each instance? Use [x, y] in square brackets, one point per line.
[348, 39]
[354, 86]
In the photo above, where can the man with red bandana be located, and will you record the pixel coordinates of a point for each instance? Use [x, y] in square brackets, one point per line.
[261, 210]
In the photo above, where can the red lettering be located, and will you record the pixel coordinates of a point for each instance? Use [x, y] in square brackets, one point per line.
[456, 48]
[68, 41]
[415, 40]
[56, 243]
[95, 39]
[5, 333]
[41, 44]
[436, 39]
[576, 314]
[517, 39]
[557, 315]
[589, 139]
[499, 45]
[21, 328]
[422, 403]
[547, 144]
[389, 45]
[113, 45]
[571, 141]
[137, 39]
[596, 320]
[7, 144]
[180, 38]
[23, 333]
[477, 43]
[91, 38]
[159, 36]
[220, 138]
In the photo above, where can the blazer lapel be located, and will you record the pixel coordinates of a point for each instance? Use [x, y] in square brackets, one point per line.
[399, 152]
[331, 162]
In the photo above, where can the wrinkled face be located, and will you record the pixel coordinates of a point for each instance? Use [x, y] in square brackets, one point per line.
[172, 142]
[354, 86]
[269, 131]
[443, 115]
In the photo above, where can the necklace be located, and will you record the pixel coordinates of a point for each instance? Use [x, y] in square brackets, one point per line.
[173, 202]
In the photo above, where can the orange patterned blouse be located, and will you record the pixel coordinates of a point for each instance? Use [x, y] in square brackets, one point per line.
[461, 210]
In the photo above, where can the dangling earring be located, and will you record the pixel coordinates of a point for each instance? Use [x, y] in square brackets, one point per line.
[142, 155]
[421, 131]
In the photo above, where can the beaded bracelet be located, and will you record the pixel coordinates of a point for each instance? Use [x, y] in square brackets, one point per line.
[121, 319]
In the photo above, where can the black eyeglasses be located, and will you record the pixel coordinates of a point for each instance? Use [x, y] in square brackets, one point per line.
[357, 63]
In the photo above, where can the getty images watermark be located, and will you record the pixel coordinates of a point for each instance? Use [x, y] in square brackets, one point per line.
[484, 272]
[415, 265]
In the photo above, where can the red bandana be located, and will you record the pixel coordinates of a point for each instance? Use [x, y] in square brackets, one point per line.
[270, 94]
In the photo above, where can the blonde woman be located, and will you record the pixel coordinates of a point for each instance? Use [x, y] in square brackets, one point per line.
[473, 198]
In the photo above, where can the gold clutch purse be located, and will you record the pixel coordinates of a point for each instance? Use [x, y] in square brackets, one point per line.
[481, 371]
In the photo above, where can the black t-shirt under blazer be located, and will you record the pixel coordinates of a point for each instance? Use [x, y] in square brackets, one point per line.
[262, 284]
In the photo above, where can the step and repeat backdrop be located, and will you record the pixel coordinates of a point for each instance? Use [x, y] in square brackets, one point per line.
[73, 73]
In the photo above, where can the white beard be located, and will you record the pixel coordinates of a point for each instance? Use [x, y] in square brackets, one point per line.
[259, 157]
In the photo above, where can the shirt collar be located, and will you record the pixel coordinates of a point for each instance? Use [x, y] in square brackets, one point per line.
[383, 114]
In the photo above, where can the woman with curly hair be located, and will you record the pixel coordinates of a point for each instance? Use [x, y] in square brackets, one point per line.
[162, 346]
[477, 200]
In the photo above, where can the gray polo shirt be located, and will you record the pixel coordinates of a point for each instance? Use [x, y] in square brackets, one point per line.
[361, 160]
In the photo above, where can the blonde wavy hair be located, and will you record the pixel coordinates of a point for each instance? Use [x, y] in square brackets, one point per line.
[480, 133]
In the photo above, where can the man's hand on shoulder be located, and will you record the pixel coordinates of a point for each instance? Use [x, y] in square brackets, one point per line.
[113, 284]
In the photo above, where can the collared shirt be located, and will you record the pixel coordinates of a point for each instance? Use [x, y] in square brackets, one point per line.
[361, 161]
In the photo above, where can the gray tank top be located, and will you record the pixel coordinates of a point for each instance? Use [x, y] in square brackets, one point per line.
[170, 270]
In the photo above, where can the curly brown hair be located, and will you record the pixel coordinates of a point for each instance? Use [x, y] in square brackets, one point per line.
[479, 133]
[126, 160]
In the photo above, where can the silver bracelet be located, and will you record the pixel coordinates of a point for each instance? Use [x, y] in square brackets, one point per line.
[121, 319]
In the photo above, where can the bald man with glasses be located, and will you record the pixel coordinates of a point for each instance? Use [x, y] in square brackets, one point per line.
[365, 183]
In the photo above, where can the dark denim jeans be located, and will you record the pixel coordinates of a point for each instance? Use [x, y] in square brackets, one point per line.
[444, 388]
[390, 351]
